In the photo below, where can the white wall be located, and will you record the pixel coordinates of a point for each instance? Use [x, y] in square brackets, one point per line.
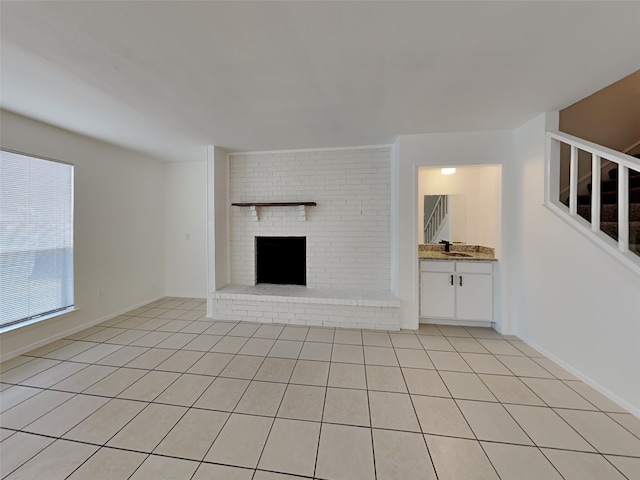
[569, 298]
[119, 227]
[218, 223]
[432, 150]
[222, 212]
[481, 210]
[185, 229]
[347, 232]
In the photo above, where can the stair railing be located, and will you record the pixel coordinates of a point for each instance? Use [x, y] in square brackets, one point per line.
[591, 230]
[436, 219]
[631, 147]
[605, 167]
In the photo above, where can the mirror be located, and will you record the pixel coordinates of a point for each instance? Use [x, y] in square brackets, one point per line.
[445, 218]
[474, 204]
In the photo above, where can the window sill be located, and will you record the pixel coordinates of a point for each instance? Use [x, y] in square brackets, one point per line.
[34, 321]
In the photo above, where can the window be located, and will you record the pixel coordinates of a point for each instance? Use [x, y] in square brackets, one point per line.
[36, 237]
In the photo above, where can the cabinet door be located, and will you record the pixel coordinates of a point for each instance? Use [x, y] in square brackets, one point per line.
[437, 295]
[474, 296]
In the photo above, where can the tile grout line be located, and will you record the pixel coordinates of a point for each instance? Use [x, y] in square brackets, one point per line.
[415, 412]
[182, 373]
[465, 418]
[512, 417]
[608, 414]
[324, 404]
[547, 406]
[163, 403]
[239, 398]
[366, 384]
[83, 442]
[139, 413]
[469, 424]
[222, 376]
[83, 392]
[28, 459]
[266, 440]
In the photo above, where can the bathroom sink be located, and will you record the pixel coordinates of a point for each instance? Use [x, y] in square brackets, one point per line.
[456, 254]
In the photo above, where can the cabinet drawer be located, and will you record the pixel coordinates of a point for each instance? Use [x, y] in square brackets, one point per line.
[474, 267]
[430, 266]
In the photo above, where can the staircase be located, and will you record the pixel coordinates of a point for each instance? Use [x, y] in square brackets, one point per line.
[434, 222]
[606, 212]
[609, 206]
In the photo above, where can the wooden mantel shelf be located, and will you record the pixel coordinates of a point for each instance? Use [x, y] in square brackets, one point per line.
[256, 206]
[275, 204]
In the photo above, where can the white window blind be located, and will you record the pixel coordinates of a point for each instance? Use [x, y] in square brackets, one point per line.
[36, 237]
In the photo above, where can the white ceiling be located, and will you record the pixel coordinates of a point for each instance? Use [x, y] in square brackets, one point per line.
[167, 78]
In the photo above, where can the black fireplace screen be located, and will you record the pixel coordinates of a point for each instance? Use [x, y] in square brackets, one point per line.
[281, 260]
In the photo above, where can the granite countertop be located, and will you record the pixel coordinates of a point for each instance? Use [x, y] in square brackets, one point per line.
[434, 251]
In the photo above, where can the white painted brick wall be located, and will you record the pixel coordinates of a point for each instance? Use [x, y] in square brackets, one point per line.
[348, 232]
[295, 313]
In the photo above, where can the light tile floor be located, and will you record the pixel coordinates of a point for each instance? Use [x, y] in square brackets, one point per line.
[163, 393]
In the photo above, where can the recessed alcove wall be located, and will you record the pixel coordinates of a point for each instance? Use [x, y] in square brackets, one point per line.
[481, 188]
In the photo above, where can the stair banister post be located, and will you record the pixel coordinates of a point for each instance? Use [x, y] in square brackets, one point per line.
[623, 208]
[552, 170]
[573, 182]
[595, 192]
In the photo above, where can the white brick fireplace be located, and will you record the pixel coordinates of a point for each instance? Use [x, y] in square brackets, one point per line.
[347, 236]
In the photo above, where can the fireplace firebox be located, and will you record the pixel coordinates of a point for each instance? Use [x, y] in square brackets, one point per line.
[281, 260]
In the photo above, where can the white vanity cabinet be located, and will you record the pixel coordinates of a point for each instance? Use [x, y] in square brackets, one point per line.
[456, 290]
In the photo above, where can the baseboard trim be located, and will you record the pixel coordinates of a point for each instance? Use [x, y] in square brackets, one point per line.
[71, 331]
[586, 379]
[458, 323]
